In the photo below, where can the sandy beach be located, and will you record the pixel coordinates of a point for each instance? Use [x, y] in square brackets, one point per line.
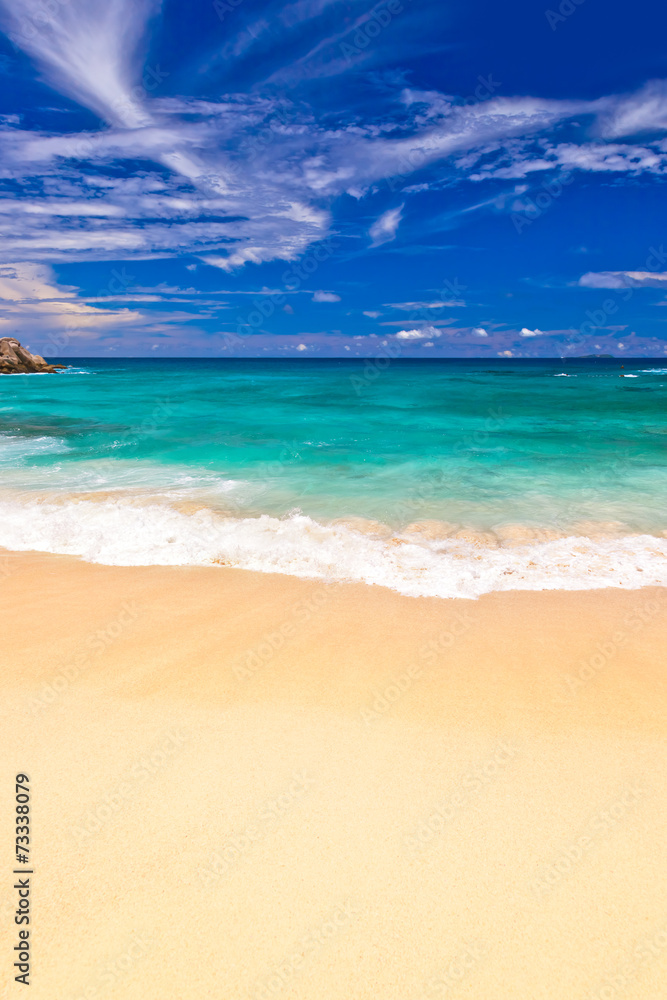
[254, 786]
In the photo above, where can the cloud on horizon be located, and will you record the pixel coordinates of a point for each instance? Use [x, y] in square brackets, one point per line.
[424, 333]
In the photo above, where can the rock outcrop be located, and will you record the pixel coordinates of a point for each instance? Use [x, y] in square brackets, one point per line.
[16, 360]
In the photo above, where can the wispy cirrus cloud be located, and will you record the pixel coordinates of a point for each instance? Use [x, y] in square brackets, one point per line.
[251, 178]
[268, 200]
[385, 228]
[87, 51]
[623, 279]
[644, 111]
[414, 306]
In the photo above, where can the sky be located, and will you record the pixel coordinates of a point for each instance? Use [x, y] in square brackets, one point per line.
[407, 178]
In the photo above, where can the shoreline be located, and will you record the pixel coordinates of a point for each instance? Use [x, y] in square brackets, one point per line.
[426, 558]
[335, 790]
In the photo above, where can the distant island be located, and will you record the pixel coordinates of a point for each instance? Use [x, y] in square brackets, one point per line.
[17, 360]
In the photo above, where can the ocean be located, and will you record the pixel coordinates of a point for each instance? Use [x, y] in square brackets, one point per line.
[446, 478]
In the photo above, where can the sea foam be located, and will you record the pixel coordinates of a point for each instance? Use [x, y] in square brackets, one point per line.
[124, 533]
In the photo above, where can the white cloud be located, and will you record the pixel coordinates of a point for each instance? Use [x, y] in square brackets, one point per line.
[301, 347]
[31, 282]
[480, 331]
[611, 158]
[384, 229]
[563, 158]
[629, 114]
[86, 50]
[271, 193]
[410, 306]
[269, 199]
[372, 314]
[280, 249]
[623, 279]
[531, 333]
[415, 319]
[424, 334]
[325, 297]
[32, 302]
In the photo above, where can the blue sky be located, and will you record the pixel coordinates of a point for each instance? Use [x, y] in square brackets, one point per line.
[319, 178]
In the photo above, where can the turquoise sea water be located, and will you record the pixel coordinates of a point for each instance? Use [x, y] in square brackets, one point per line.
[458, 452]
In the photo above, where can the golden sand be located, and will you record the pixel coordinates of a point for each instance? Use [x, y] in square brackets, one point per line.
[252, 786]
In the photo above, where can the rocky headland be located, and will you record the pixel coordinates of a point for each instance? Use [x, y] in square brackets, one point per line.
[17, 360]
